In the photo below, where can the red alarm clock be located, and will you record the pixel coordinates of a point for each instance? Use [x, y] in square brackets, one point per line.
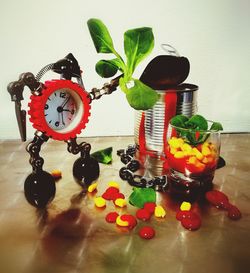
[62, 109]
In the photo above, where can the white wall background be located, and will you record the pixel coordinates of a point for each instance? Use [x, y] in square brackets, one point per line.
[214, 35]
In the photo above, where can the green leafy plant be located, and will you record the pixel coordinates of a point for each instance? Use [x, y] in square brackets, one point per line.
[193, 129]
[138, 44]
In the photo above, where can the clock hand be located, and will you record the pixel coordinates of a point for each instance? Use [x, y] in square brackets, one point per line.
[67, 110]
[65, 102]
[62, 119]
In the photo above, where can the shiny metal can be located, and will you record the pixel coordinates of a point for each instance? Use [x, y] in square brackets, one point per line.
[150, 129]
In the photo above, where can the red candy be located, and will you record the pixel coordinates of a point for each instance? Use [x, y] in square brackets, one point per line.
[192, 223]
[189, 219]
[130, 219]
[150, 207]
[110, 193]
[119, 195]
[217, 198]
[143, 214]
[180, 215]
[111, 217]
[220, 200]
[234, 213]
[146, 232]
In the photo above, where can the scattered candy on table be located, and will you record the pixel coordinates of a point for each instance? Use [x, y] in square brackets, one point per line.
[119, 195]
[56, 174]
[130, 219]
[143, 214]
[92, 187]
[150, 207]
[110, 193]
[221, 201]
[185, 206]
[191, 223]
[120, 202]
[147, 232]
[121, 223]
[159, 212]
[186, 215]
[189, 219]
[114, 184]
[100, 202]
[111, 217]
[180, 215]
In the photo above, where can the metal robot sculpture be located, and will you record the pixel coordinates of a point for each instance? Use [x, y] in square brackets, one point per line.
[58, 109]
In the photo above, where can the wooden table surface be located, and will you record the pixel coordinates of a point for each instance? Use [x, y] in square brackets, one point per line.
[56, 240]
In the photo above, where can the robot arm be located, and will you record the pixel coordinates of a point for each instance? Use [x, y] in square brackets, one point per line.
[16, 92]
[68, 68]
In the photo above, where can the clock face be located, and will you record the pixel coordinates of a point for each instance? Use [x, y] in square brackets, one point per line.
[60, 109]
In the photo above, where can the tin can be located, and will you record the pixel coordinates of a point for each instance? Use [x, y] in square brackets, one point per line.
[150, 129]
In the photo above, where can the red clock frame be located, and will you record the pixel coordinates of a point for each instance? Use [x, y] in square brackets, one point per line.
[37, 104]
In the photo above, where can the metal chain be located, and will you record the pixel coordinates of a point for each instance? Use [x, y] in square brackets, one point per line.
[107, 89]
[33, 148]
[75, 148]
[159, 183]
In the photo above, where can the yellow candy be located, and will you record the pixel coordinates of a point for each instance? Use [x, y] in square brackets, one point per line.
[205, 160]
[159, 212]
[120, 202]
[206, 144]
[114, 184]
[185, 206]
[173, 150]
[198, 154]
[92, 187]
[186, 148]
[179, 154]
[121, 223]
[205, 150]
[100, 202]
[176, 142]
[56, 173]
[192, 160]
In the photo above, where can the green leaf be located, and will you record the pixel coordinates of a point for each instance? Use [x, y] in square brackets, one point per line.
[141, 97]
[100, 36]
[216, 126]
[123, 86]
[197, 122]
[103, 156]
[140, 196]
[108, 68]
[179, 121]
[138, 43]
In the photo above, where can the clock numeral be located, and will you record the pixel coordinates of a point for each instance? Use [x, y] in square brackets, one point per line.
[62, 95]
[57, 123]
[46, 107]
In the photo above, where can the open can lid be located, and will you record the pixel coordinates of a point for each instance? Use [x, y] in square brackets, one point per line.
[166, 72]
